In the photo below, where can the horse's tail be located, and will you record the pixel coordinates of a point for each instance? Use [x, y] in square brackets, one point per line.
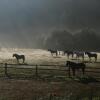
[67, 64]
[84, 67]
[57, 53]
[23, 58]
[64, 52]
[96, 57]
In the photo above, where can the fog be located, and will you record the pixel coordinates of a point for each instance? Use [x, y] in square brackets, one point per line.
[27, 23]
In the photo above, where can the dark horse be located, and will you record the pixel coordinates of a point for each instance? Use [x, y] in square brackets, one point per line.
[69, 53]
[79, 54]
[91, 55]
[53, 52]
[75, 66]
[19, 57]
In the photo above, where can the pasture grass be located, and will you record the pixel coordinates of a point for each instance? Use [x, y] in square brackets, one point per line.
[24, 85]
[12, 89]
[53, 79]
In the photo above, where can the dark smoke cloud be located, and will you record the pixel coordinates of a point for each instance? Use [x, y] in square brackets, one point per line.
[24, 22]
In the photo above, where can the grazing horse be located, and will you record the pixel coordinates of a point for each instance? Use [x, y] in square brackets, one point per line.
[19, 57]
[69, 53]
[91, 55]
[74, 66]
[79, 54]
[53, 52]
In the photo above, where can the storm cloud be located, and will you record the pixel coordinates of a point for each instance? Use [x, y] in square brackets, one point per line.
[24, 22]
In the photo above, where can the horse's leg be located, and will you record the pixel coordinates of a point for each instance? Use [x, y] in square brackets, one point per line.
[76, 56]
[56, 54]
[69, 71]
[73, 71]
[95, 59]
[68, 56]
[83, 70]
[59, 52]
[72, 55]
[63, 54]
[83, 58]
[23, 60]
[17, 61]
[90, 59]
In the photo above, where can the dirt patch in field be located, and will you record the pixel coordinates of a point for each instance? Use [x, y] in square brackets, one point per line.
[11, 89]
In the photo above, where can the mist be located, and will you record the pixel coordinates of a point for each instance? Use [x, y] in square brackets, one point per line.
[29, 23]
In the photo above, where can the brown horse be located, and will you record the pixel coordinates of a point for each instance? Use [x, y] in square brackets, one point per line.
[19, 57]
[75, 66]
[68, 53]
[53, 52]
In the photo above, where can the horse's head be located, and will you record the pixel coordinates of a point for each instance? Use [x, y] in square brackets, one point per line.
[49, 49]
[86, 53]
[14, 55]
[65, 51]
[67, 63]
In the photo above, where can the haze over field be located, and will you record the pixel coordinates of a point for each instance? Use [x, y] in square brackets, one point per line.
[28, 23]
[40, 57]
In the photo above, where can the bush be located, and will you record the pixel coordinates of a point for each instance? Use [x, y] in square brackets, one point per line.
[87, 79]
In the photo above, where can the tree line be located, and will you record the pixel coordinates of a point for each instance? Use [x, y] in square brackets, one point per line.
[85, 39]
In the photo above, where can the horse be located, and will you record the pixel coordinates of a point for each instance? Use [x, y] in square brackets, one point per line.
[91, 55]
[19, 57]
[79, 54]
[53, 52]
[74, 66]
[69, 53]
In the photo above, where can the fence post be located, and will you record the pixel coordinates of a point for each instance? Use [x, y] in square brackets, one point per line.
[50, 97]
[36, 71]
[69, 71]
[6, 70]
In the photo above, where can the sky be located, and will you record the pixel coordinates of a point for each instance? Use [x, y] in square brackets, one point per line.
[22, 22]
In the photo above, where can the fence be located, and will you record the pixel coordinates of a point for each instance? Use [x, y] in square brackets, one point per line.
[36, 69]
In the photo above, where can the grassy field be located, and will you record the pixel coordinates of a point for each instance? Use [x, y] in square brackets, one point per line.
[23, 84]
